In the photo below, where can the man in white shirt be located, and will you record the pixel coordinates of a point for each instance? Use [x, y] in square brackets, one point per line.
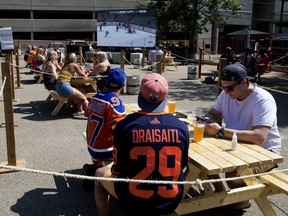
[248, 111]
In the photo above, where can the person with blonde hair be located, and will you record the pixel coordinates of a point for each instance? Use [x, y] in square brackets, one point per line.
[50, 70]
[63, 86]
[101, 66]
[38, 59]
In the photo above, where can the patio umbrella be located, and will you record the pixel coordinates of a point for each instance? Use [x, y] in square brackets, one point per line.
[247, 33]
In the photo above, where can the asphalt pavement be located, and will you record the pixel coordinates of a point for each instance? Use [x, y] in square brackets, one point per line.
[55, 144]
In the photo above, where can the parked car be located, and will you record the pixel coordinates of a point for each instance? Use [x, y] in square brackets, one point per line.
[57, 45]
[73, 46]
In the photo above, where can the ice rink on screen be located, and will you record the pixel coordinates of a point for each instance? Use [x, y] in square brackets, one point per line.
[122, 38]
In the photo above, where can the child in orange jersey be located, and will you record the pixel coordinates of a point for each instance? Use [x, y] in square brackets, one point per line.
[104, 111]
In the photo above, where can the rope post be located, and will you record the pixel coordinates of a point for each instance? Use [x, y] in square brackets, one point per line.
[143, 58]
[80, 56]
[159, 64]
[18, 68]
[9, 59]
[122, 60]
[9, 119]
[222, 63]
[200, 62]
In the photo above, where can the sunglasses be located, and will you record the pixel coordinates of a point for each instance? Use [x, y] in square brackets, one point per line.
[231, 87]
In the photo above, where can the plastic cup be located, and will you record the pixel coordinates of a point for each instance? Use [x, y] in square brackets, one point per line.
[171, 107]
[197, 113]
[198, 131]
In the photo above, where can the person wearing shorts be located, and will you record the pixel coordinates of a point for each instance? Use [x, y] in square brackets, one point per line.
[63, 86]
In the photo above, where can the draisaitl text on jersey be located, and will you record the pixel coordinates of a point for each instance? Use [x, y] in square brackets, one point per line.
[155, 135]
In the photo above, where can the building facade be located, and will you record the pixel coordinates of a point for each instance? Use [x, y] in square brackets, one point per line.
[268, 16]
[70, 19]
[55, 19]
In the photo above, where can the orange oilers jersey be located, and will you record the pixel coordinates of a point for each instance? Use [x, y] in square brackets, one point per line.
[104, 111]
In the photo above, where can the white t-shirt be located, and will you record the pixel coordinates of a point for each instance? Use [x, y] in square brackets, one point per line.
[258, 109]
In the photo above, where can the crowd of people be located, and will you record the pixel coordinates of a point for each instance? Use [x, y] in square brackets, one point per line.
[255, 61]
[58, 72]
[132, 146]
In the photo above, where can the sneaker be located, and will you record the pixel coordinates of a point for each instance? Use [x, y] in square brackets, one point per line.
[89, 170]
[79, 113]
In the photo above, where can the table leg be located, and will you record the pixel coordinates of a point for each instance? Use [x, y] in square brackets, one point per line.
[262, 201]
[265, 206]
[248, 181]
[208, 189]
[193, 173]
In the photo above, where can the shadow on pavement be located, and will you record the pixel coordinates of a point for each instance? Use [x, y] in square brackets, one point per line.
[192, 90]
[41, 111]
[67, 199]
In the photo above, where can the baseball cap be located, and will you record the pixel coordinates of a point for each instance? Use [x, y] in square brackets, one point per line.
[116, 78]
[153, 93]
[234, 72]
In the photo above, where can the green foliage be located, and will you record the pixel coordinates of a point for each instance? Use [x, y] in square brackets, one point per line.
[191, 16]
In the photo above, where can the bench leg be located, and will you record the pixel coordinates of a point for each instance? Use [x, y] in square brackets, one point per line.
[48, 98]
[58, 107]
[40, 79]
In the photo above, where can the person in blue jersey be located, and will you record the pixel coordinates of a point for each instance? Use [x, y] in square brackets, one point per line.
[148, 145]
[105, 109]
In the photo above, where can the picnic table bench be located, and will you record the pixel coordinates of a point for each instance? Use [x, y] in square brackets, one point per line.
[77, 83]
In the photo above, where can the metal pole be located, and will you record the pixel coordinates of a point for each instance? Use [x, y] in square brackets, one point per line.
[281, 17]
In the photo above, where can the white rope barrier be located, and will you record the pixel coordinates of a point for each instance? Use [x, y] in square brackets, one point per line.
[142, 67]
[42, 72]
[3, 84]
[197, 182]
[274, 90]
[278, 59]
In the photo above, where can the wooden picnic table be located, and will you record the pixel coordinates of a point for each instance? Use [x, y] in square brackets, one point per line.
[213, 156]
[169, 61]
[79, 82]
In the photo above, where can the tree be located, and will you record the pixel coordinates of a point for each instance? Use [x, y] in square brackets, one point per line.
[192, 16]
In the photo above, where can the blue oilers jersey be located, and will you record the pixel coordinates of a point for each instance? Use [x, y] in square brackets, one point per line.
[150, 146]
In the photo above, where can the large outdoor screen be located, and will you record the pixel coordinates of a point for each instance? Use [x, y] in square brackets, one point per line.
[126, 28]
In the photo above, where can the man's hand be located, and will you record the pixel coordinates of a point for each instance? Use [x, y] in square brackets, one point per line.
[212, 129]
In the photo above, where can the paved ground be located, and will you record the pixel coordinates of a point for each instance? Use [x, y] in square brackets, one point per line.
[55, 143]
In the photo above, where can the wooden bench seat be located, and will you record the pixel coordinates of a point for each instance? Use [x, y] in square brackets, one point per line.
[277, 180]
[62, 100]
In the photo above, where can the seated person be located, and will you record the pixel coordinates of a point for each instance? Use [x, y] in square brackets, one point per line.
[64, 88]
[141, 153]
[101, 66]
[248, 111]
[50, 70]
[249, 61]
[31, 54]
[38, 59]
[100, 133]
